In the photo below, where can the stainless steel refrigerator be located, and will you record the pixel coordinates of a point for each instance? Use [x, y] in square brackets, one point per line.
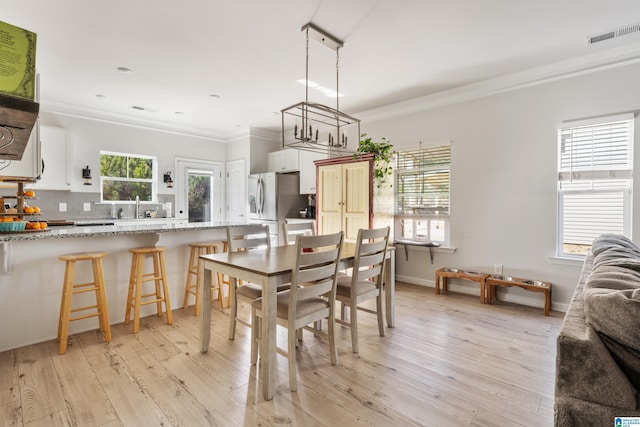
[274, 197]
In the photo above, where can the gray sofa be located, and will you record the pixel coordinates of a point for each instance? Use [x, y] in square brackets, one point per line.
[598, 348]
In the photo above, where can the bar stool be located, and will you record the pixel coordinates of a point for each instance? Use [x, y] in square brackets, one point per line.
[70, 288]
[191, 288]
[138, 277]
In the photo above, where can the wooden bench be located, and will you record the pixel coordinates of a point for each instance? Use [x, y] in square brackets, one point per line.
[530, 285]
[474, 276]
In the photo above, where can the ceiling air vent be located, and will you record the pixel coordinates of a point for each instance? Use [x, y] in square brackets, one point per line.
[140, 108]
[629, 29]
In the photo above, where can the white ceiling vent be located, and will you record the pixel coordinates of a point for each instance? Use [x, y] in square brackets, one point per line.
[629, 29]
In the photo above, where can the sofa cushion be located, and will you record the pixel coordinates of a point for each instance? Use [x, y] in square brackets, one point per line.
[612, 301]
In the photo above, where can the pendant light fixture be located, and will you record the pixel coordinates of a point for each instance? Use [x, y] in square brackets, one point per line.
[317, 127]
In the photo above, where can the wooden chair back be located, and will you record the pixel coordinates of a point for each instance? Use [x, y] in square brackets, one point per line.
[316, 268]
[250, 236]
[371, 249]
[291, 230]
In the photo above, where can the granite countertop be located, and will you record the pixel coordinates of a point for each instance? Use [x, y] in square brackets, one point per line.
[111, 230]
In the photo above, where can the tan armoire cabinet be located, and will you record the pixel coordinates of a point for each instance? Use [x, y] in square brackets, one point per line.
[347, 199]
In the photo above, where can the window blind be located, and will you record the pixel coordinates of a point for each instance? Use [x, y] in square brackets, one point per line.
[422, 181]
[595, 152]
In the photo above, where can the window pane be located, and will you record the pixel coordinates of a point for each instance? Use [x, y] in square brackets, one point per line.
[113, 166]
[422, 229]
[126, 190]
[437, 230]
[407, 228]
[140, 168]
[199, 197]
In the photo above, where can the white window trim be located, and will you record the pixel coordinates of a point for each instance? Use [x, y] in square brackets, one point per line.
[153, 180]
[601, 176]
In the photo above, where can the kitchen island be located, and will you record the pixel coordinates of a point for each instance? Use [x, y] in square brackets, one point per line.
[31, 275]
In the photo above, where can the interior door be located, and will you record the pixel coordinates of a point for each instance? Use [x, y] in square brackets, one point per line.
[236, 191]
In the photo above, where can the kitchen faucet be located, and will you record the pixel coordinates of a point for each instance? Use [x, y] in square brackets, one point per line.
[137, 207]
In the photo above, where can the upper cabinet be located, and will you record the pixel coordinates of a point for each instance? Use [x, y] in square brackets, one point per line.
[56, 153]
[283, 160]
[308, 170]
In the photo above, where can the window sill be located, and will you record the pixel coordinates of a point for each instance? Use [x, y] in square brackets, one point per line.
[564, 261]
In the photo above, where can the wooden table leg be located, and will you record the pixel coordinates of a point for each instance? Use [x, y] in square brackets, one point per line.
[205, 313]
[268, 340]
[390, 288]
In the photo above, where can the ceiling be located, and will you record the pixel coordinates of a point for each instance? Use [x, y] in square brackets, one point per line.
[250, 53]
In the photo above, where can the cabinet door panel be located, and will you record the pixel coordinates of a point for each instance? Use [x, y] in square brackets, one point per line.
[329, 208]
[356, 198]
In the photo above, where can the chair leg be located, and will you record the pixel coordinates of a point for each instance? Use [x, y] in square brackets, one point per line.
[333, 349]
[132, 281]
[158, 278]
[187, 290]
[379, 314]
[255, 335]
[234, 307]
[165, 289]
[291, 338]
[98, 274]
[138, 284]
[65, 307]
[353, 317]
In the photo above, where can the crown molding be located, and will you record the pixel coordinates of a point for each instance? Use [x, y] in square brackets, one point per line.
[612, 58]
[70, 110]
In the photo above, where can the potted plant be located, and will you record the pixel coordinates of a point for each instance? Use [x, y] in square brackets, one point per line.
[383, 153]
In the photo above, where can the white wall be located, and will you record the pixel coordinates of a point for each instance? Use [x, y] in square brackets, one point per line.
[88, 137]
[503, 175]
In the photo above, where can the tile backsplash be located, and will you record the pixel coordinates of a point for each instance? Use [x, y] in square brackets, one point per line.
[49, 202]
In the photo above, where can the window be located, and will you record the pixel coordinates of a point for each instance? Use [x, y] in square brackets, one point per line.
[422, 194]
[125, 176]
[595, 167]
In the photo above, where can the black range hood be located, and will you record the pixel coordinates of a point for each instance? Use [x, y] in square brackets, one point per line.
[17, 119]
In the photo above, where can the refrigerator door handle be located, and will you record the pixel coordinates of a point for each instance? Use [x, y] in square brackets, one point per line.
[260, 196]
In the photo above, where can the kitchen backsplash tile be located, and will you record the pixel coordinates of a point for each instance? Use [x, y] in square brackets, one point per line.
[49, 200]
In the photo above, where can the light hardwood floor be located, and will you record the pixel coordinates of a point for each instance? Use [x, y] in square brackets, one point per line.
[449, 361]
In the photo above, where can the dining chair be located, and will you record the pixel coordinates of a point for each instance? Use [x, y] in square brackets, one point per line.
[365, 280]
[311, 297]
[242, 238]
[292, 229]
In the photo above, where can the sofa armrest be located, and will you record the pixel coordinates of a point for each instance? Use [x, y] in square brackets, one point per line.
[585, 370]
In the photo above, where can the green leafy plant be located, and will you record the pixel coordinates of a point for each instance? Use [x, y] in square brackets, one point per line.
[383, 153]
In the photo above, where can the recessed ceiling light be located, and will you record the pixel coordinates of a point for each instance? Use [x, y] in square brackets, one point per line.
[125, 70]
[213, 95]
[100, 96]
[179, 113]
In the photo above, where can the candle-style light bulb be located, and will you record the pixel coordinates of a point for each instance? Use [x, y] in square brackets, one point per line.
[316, 134]
[295, 131]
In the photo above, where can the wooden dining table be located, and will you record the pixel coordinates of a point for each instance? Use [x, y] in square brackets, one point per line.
[270, 268]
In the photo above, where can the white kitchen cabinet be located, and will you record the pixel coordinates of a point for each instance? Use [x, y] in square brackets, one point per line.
[283, 160]
[56, 156]
[308, 170]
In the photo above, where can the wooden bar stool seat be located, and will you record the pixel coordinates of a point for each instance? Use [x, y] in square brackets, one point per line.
[193, 284]
[138, 277]
[70, 288]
